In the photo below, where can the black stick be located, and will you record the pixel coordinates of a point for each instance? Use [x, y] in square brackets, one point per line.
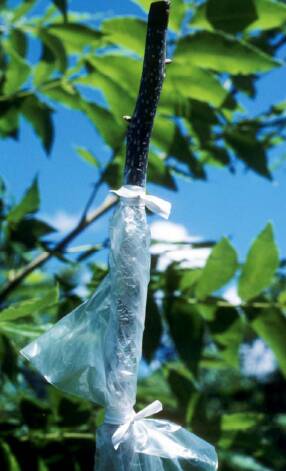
[141, 123]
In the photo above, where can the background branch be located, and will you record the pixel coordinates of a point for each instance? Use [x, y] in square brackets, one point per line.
[83, 223]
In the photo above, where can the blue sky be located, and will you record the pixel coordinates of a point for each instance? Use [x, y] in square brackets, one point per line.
[237, 206]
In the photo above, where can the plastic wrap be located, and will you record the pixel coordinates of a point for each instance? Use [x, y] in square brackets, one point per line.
[94, 353]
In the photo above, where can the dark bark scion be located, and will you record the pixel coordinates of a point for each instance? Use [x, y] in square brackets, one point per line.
[141, 123]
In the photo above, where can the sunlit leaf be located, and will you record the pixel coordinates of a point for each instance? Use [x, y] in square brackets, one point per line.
[30, 307]
[222, 53]
[87, 156]
[28, 204]
[270, 325]
[75, 36]
[111, 128]
[120, 101]
[18, 71]
[126, 32]
[24, 7]
[261, 263]
[184, 81]
[240, 421]
[220, 268]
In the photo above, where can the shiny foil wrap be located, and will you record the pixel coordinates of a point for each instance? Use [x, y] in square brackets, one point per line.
[94, 353]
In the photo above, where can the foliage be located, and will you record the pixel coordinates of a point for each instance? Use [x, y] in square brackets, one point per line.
[219, 51]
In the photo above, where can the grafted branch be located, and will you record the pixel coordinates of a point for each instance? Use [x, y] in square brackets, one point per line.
[141, 123]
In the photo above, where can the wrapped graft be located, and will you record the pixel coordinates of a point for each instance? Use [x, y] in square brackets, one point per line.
[94, 353]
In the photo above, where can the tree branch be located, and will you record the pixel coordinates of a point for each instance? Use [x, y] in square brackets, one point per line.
[83, 223]
[141, 123]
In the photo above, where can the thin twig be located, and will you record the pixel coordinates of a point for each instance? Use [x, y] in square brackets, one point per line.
[22, 274]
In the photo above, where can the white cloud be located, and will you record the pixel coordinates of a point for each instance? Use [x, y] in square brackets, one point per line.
[168, 233]
[62, 220]
[231, 295]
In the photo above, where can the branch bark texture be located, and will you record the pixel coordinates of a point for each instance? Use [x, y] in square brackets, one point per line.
[141, 123]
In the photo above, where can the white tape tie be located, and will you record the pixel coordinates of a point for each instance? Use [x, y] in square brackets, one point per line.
[121, 432]
[153, 203]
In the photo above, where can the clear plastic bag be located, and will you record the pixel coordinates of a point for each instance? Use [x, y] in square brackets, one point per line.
[94, 353]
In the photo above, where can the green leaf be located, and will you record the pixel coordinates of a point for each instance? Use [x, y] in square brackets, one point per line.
[227, 331]
[18, 41]
[242, 462]
[9, 119]
[168, 137]
[30, 307]
[186, 80]
[271, 14]
[153, 328]
[66, 95]
[186, 329]
[238, 15]
[220, 268]
[40, 117]
[177, 12]
[18, 70]
[230, 17]
[249, 149]
[189, 278]
[113, 173]
[24, 7]
[53, 57]
[111, 129]
[126, 70]
[120, 101]
[87, 156]
[62, 5]
[155, 386]
[261, 263]
[76, 36]
[29, 204]
[240, 421]
[127, 32]
[29, 232]
[270, 325]
[16, 329]
[222, 53]
[7, 457]
[182, 384]
[159, 173]
[56, 48]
